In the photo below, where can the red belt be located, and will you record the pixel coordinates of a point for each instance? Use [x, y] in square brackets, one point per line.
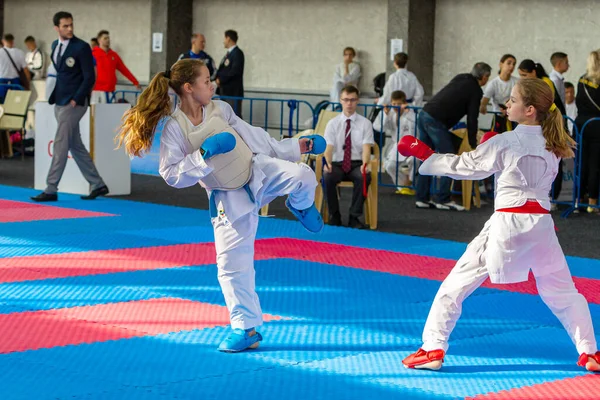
[530, 207]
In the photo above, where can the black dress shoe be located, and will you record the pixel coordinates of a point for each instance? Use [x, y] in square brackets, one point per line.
[335, 220]
[354, 222]
[101, 191]
[45, 197]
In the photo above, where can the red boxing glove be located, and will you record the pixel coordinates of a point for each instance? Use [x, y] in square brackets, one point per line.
[411, 146]
[487, 136]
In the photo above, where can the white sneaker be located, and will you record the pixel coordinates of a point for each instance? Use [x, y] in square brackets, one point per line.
[450, 206]
[421, 204]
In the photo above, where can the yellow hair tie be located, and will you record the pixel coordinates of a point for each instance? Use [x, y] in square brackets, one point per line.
[552, 107]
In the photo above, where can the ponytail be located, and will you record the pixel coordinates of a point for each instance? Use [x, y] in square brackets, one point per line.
[139, 123]
[558, 140]
[536, 93]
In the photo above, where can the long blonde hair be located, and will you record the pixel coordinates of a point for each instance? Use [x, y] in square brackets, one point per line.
[592, 72]
[139, 123]
[536, 93]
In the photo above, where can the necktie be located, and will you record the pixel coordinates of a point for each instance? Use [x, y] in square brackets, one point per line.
[347, 162]
[59, 55]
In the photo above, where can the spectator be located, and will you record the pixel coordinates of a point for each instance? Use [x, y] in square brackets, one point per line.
[108, 63]
[74, 63]
[35, 59]
[396, 126]
[346, 73]
[570, 105]
[349, 137]
[197, 52]
[498, 91]
[93, 42]
[403, 80]
[588, 107]
[530, 69]
[461, 96]
[560, 65]
[13, 67]
[230, 75]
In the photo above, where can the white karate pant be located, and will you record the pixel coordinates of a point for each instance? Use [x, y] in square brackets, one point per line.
[392, 167]
[235, 242]
[556, 290]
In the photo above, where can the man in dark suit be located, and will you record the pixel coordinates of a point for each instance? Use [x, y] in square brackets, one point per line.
[230, 75]
[72, 58]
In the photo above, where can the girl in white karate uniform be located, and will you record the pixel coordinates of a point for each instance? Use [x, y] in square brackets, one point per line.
[241, 167]
[520, 235]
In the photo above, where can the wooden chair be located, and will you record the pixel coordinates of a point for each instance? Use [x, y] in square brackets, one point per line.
[371, 201]
[15, 108]
[467, 186]
[324, 117]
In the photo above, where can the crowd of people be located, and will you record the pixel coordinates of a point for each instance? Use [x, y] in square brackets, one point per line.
[469, 95]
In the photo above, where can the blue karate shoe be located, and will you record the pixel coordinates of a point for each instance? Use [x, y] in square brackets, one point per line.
[310, 218]
[318, 144]
[239, 340]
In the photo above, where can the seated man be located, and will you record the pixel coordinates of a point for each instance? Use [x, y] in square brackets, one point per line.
[398, 167]
[349, 137]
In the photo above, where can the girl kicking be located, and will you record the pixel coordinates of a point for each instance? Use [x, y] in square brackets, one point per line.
[241, 167]
[520, 234]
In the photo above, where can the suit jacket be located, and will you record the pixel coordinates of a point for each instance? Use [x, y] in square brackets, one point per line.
[75, 75]
[231, 73]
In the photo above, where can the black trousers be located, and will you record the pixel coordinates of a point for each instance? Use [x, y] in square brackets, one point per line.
[590, 160]
[336, 176]
[557, 184]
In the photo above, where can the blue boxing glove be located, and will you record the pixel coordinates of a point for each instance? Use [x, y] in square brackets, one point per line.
[318, 144]
[220, 143]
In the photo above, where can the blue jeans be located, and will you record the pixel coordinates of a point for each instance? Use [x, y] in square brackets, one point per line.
[434, 134]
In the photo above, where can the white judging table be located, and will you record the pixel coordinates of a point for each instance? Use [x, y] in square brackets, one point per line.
[98, 129]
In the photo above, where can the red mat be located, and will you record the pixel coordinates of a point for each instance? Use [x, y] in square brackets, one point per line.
[108, 261]
[18, 211]
[100, 323]
[579, 388]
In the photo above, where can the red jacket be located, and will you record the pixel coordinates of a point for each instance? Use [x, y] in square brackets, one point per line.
[107, 65]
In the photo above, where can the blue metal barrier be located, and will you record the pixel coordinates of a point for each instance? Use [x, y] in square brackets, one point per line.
[131, 96]
[288, 113]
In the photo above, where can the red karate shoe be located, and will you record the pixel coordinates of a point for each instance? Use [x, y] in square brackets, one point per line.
[425, 359]
[591, 362]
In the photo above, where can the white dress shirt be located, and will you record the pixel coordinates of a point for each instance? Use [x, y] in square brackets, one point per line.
[559, 82]
[571, 113]
[361, 132]
[64, 43]
[406, 81]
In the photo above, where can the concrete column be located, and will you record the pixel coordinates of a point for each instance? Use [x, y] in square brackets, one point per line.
[413, 21]
[421, 27]
[172, 18]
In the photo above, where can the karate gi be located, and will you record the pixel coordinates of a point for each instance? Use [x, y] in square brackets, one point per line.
[510, 244]
[234, 213]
